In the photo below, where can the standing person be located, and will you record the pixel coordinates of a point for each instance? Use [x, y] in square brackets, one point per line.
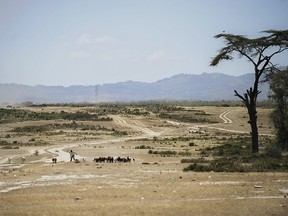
[72, 155]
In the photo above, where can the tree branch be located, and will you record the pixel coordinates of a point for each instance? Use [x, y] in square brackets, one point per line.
[244, 98]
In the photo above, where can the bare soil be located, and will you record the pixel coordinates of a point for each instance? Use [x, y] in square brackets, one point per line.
[150, 185]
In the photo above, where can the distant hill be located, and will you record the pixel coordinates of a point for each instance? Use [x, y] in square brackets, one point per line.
[207, 86]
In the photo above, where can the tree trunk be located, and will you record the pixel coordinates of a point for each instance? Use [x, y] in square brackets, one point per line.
[253, 123]
[254, 134]
[249, 99]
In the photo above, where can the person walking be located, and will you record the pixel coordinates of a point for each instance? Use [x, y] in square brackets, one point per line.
[72, 155]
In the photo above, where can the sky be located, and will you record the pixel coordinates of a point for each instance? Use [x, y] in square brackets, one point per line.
[91, 42]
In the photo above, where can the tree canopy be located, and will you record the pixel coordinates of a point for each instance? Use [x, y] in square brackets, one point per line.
[255, 50]
[258, 51]
[279, 94]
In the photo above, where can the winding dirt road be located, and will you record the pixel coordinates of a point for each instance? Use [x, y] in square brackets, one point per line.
[61, 154]
[217, 126]
[226, 120]
[136, 125]
[224, 117]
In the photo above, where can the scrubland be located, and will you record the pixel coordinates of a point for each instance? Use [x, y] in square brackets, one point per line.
[185, 160]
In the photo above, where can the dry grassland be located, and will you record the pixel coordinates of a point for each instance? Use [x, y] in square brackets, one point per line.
[150, 185]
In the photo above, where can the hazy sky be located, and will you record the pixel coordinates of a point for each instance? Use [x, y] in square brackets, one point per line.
[89, 42]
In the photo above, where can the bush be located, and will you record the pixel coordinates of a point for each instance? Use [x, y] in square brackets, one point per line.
[252, 163]
[272, 151]
[191, 144]
[163, 153]
[152, 152]
[143, 147]
[6, 145]
[186, 153]
[193, 160]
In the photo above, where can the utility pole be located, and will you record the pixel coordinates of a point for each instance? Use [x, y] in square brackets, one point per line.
[96, 94]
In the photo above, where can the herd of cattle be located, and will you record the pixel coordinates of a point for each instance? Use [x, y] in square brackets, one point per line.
[110, 159]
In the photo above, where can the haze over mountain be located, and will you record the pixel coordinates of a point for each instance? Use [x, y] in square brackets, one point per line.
[212, 86]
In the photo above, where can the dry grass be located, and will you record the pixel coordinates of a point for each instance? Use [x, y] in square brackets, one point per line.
[157, 187]
[136, 189]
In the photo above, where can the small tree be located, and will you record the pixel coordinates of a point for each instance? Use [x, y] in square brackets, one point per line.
[259, 52]
[279, 87]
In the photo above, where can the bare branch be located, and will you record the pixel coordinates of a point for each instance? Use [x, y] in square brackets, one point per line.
[244, 100]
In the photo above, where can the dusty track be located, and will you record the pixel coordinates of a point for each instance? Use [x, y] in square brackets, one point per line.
[226, 120]
[136, 125]
[224, 117]
[218, 126]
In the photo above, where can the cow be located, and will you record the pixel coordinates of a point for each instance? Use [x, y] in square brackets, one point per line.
[100, 159]
[110, 159]
[23, 159]
[123, 159]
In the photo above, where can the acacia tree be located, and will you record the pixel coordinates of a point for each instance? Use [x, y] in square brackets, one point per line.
[279, 87]
[259, 52]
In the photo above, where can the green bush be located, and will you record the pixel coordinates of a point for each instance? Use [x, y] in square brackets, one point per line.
[194, 160]
[186, 153]
[152, 152]
[167, 153]
[143, 147]
[272, 151]
[252, 163]
[6, 145]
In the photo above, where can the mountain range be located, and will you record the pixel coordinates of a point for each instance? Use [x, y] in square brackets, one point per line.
[206, 87]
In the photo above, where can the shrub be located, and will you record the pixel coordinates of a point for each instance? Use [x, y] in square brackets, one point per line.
[191, 144]
[143, 147]
[193, 160]
[272, 151]
[196, 167]
[251, 163]
[186, 153]
[167, 153]
[152, 152]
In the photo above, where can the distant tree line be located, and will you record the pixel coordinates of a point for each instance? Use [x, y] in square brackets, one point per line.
[14, 115]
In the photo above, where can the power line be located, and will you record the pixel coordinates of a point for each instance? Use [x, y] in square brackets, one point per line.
[96, 94]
